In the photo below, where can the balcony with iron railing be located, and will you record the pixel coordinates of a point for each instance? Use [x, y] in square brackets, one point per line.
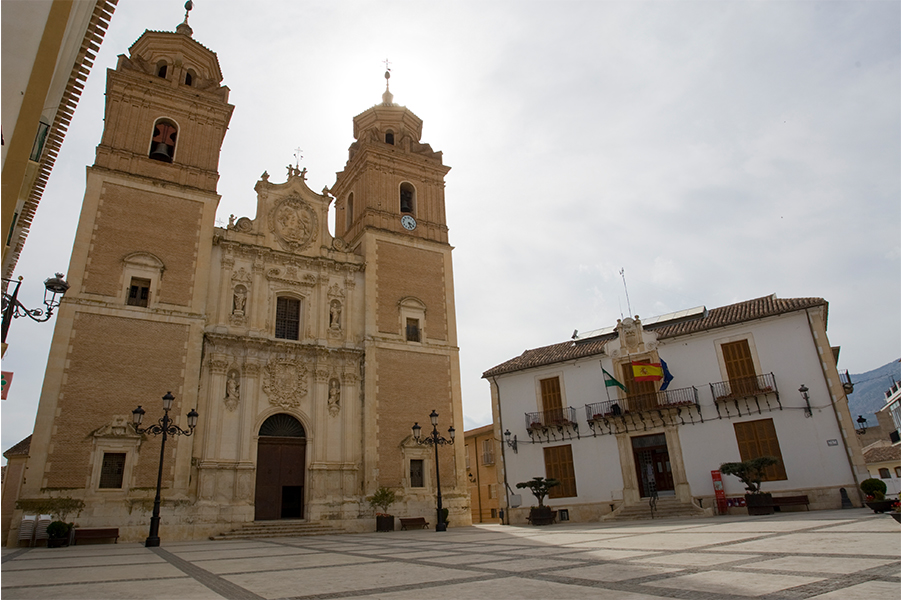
[847, 384]
[745, 389]
[682, 397]
[557, 417]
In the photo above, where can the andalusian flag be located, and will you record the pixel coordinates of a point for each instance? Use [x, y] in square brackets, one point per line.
[610, 380]
[647, 371]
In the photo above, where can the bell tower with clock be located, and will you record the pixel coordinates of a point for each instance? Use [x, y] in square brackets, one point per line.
[390, 210]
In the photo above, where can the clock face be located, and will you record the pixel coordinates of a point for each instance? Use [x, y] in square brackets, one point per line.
[408, 222]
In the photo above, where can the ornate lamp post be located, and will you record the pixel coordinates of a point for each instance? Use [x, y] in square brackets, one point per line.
[435, 440]
[13, 309]
[167, 428]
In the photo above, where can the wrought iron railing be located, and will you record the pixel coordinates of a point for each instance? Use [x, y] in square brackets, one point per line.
[557, 417]
[642, 403]
[744, 387]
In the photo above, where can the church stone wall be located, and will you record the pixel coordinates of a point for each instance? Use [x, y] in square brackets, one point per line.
[164, 226]
[112, 368]
[411, 385]
[404, 271]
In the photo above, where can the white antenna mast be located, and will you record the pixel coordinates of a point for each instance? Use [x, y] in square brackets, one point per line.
[622, 272]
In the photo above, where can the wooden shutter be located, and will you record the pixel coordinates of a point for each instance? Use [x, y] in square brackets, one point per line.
[740, 367]
[641, 395]
[758, 438]
[551, 399]
[558, 464]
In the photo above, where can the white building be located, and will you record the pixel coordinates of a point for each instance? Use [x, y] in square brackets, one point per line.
[734, 394]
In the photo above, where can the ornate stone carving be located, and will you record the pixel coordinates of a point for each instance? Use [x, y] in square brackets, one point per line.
[294, 223]
[118, 427]
[218, 366]
[334, 397]
[339, 244]
[307, 280]
[242, 276]
[335, 292]
[244, 225]
[232, 391]
[334, 315]
[285, 382]
[251, 369]
[322, 375]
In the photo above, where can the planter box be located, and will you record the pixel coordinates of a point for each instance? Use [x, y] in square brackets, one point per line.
[760, 504]
[880, 506]
[384, 523]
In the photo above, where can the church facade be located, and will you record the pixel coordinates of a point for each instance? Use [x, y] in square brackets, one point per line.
[307, 355]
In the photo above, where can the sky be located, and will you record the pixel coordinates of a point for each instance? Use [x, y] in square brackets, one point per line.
[714, 151]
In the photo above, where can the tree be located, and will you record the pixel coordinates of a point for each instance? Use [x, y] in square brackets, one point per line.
[382, 498]
[539, 487]
[750, 472]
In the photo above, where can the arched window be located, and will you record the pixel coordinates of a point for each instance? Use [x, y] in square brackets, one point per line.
[349, 211]
[389, 137]
[161, 69]
[884, 474]
[407, 198]
[162, 147]
[287, 318]
[189, 77]
[282, 425]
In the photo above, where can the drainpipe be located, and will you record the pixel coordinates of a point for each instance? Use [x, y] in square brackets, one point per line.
[478, 481]
[500, 422]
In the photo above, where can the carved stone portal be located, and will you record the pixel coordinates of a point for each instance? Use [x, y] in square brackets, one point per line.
[285, 382]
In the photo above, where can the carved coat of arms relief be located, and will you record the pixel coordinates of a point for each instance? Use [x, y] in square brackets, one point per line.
[285, 382]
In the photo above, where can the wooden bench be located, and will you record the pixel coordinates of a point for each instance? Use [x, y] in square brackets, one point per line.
[791, 501]
[417, 522]
[98, 533]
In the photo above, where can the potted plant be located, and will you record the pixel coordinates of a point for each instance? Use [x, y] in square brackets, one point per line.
[58, 534]
[875, 492]
[383, 498]
[751, 473]
[539, 486]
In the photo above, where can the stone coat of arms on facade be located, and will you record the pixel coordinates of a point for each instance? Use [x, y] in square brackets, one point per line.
[285, 382]
[294, 223]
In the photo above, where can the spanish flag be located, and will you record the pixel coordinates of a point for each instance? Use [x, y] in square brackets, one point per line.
[647, 371]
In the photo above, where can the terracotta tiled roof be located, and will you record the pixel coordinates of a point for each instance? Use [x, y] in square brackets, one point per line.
[750, 310]
[548, 355]
[20, 449]
[883, 454]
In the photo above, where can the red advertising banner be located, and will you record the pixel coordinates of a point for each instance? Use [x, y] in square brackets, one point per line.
[7, 380]
[720, 491]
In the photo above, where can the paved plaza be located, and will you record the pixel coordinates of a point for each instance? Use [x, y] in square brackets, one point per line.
[841, 555]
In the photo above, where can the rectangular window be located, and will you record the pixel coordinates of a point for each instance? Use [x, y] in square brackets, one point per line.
[416, 474]
[138, 292]
[487, 452]
[112, 470]
[558, 464]
[740, 367]
[287, 319]
[897, 471]
[884, 473]
[492, 490]
[493, 513]
[349, 212]
[551, 399]
[641, 395]
[413, 330]
[38, 147]
[758, 438]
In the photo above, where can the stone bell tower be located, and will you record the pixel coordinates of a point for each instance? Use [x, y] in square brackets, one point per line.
[390, 210]
[131, 327]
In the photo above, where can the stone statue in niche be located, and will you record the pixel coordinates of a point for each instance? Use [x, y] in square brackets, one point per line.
[334, 397]
[232, 391]
[334, 315]
[239, 303]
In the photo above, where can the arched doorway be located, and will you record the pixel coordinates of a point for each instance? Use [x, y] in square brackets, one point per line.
[281, 454]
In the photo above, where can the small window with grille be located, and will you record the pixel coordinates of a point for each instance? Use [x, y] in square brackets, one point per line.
[287, 318]
[112, 470]
[413, 330]
[138, 292]
[416, 473]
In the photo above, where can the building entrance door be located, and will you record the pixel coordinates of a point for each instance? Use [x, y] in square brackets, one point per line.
[652, 465]
[281, 460]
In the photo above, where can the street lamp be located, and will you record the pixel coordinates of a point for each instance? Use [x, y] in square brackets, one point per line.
[511, 443]
[167, 428]
[861, 425]
[13, 309]
[435, 440]
[808, 412]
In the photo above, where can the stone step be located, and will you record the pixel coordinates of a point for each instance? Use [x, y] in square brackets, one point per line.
[667, 507]
[277, 529]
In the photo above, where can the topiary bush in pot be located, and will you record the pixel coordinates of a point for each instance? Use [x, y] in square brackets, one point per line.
[751, 473]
